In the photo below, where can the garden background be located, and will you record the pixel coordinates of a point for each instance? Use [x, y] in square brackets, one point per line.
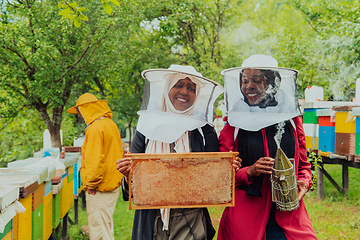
[51, 52]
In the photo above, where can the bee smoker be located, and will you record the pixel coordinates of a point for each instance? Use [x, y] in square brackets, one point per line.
[283, 183]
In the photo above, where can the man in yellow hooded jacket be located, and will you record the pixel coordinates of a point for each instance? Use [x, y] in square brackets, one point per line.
[101, 180]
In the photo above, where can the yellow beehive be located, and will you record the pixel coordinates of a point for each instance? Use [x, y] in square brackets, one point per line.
[7, 236]
[345, 122]
[22, 222]
[70, 194]
[47, 216]
[310, 144]
[64, 198]
[38, 196]
[70, 173]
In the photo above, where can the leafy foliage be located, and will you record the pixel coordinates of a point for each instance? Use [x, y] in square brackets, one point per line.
[76, 13]
[47, 62]
[45, 58]
[20, 136]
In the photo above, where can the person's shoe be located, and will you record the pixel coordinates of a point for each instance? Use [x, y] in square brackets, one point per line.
[85, 230]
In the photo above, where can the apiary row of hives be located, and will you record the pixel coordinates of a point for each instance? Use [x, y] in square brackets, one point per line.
[35, 195]
[332, 128]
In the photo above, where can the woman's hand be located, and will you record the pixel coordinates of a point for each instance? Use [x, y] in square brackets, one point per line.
[237, 164]
[123, 165]
[263, 165]
[302, 189]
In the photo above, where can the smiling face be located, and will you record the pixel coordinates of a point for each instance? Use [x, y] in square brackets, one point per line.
[183, 94]
[254, 85]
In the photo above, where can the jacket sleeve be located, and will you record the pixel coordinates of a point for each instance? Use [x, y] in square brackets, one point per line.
[94, 158]
[304, 170]
[226, 138]
[138, 145]
[211, 139]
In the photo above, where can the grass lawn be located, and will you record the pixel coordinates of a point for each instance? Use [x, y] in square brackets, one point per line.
[336, 217]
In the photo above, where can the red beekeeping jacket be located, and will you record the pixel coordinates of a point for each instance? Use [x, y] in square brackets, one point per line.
[248, 219]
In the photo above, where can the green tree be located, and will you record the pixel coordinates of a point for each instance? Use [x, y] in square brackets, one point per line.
[44, 58]
[193, 28]
[336, 49]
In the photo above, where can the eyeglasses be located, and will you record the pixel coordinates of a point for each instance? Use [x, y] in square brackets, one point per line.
[255, 78]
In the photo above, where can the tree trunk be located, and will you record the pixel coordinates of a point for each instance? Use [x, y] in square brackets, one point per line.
[54, 125]
[56, 139]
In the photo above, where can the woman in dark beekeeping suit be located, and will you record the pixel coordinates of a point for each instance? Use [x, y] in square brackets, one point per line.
[176, 117]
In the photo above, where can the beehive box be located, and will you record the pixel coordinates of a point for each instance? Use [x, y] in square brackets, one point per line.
[67, 196]
[311, 135]
[326, 117]
[64, 198]
[47, 216]
[22, 222]
[37, 223]
[7, 229]
[345, 122]
[327, 138]
[70, 173]
[188, 180]
[345, 143]
[357, 143]
[56, 210]
[7, 236]
[76, 179]
[38, 196]
[309, 116]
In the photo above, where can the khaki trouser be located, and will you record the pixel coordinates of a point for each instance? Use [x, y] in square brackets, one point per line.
[100, 209]
[179, 225]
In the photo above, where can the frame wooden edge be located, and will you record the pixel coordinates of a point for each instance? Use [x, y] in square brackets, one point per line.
[135, 207]
[230, 204]
[130, 192]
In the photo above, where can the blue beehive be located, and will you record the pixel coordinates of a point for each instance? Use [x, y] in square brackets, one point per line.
[327, 138]
[76, 179]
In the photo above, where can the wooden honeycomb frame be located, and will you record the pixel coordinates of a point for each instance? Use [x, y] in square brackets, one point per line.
[182, 180]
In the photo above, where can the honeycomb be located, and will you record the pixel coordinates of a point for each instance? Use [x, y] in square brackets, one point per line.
[181, 181]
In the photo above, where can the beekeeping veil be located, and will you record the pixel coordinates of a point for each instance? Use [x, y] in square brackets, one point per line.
[280, 103]
[158, 120]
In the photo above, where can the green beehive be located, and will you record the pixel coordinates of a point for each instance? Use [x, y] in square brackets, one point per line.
[37, 220]
[309, 116]
[70, 173]
[56, 210]
[7, 229]
[357, 143]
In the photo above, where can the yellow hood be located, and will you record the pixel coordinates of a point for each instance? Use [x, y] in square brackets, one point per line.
[95, 110]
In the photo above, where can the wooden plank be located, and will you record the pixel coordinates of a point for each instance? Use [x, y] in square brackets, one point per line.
[72, 149]
[320, 183]
[188, 180]
[344, 108]
[333, 182]
[357, 158]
